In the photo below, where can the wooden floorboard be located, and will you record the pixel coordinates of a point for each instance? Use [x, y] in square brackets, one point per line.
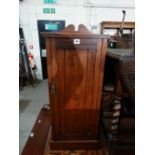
[36, 143]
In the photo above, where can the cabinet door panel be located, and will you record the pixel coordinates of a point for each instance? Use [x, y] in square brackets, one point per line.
[75, 105]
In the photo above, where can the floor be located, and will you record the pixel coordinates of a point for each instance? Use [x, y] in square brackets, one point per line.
[75, 152]
[31, 101]
[40, 143]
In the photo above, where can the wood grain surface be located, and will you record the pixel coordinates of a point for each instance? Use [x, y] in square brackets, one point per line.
[75, 78]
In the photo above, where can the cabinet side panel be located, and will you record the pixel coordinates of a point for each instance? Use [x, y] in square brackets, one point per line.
[89, 110]
[96, 91]
[60, 58]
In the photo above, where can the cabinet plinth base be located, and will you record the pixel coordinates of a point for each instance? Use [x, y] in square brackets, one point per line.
[83, 144]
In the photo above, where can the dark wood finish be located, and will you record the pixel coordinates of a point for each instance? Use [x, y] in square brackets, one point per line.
[116, 57]
[119, 123]
[75, 78]
[111, 73]
[116, 25]
[117, 41]
[127, 67]
[117, 54]
[64, 145]
[36, 145]
[112, 81]
[69, 151]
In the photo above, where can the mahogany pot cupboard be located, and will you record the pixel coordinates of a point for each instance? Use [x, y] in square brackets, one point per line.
[75, 77]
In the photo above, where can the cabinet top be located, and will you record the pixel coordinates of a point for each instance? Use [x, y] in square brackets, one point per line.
[69, 32]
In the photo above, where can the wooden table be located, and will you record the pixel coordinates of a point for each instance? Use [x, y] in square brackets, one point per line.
[119, 53]
[116, 55]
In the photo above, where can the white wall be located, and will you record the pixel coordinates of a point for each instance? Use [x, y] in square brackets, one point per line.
[73, 11]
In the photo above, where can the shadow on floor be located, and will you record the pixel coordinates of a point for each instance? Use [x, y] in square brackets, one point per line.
[23, 104]
[34, 84]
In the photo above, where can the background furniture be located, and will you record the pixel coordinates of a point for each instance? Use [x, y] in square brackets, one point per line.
[116, 25]
[119, 121]
[116, 43]
[75, 78]
[126, 41]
